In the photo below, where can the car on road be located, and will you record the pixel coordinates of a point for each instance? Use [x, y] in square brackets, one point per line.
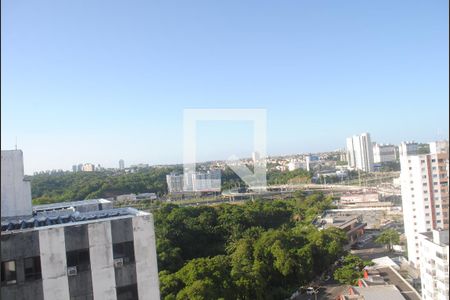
[310, 291]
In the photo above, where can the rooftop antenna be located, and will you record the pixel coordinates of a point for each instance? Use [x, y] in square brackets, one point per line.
[16, 143]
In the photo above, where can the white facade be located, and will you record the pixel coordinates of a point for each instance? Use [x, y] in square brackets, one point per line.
[307, 162]
[16, 192]
[88, 168]
[384, 153]
[206, 182]
[195, 182]
[255, 157]
[434, 265]
[424, 185]
[360, 152]
[174, 183]
[439, 147]
[121, 164]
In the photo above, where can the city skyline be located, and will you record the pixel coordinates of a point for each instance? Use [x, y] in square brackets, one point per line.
[114, 165]
[74, 94]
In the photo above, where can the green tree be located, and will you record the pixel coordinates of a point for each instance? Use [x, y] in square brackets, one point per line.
[351, 270]
[388, 237]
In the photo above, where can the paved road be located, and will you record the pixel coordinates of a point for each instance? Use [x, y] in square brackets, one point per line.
[330, 291]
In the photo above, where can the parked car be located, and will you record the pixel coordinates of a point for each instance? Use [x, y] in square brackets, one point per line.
[310, 291]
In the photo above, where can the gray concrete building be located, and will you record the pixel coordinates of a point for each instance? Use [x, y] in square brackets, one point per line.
[78, 250]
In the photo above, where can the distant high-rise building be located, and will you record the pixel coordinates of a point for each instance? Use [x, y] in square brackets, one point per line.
[434, 264]
[360, 152]
[384, 153]
[255, 157]
[307, 162]
[121, 164]
[74, 168]
[80, 167]
[408, 148]
[88, 167]
[425, 197]
[209, 181]
[175, 183]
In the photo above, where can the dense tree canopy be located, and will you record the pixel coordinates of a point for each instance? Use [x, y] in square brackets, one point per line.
[258, 250]
[351, 270]
[69, 186]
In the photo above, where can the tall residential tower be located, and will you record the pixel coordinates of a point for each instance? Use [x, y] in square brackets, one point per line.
[360, 152]
[424, 183]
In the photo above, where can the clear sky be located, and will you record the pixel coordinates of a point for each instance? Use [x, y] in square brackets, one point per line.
[98, 81]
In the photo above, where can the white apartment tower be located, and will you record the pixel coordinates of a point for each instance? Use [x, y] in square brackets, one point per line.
[424, 183]
[434, 265]
[360, 152]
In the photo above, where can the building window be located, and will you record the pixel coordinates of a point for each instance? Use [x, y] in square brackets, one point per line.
[124, 250]
[8, 272]
[80, 259]
[32, 268]
[128, 292]
[427, 206]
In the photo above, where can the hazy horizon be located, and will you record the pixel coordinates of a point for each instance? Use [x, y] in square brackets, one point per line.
[90, 81]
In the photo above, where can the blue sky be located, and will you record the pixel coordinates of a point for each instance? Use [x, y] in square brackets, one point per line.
[97, 81]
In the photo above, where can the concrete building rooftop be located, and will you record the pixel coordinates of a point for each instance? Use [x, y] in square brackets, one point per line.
[394, 278]
[439, 237]
[339, 221]
[378, 292]
[63, 218]
[63, 205]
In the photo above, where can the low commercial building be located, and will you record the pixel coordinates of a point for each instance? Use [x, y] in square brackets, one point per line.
[373, 293]
[353, 226]
[434, 264]
[381, 282]
[374, 217]
[347, 199]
